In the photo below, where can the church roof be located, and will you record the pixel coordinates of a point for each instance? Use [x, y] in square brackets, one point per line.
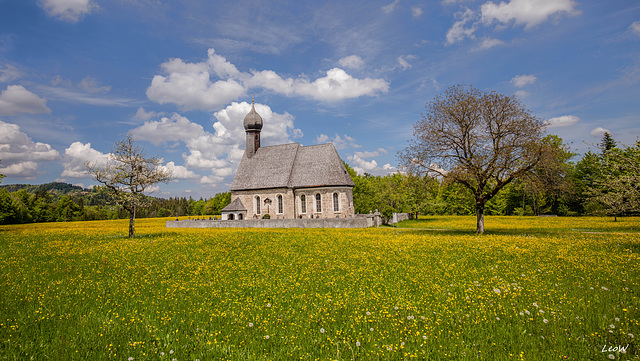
[236, 205]
[292, 166]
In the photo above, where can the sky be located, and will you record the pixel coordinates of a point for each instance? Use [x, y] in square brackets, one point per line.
[76, 76]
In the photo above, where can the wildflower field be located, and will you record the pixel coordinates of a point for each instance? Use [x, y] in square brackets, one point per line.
[530, 289]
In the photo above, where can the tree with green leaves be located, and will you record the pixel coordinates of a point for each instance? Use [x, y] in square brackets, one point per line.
[617, 188]
[481, 140]
[128, 173]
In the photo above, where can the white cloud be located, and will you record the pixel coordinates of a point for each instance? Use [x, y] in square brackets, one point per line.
[526, 12]
[16, 99]
[322, 138]
[91, 85]
[179, 172]
[488, 43]
[404, 64]
[599, 132]
[635, 27]
[9, 73]
[75, 158]
[520, 81]
[68, 10]
[416, 11]
[167, 130]
[362, 166]
[458, 32]
[338, 85]
[352, 62]
[191, 86]
[144, 115]
[562, 121]
[521, 94]
[387, 9]
[340, 142]
[20, 155]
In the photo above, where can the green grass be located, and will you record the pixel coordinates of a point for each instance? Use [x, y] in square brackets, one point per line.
[83, 291]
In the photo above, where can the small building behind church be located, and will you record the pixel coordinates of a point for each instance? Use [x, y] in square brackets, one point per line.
[288, 181]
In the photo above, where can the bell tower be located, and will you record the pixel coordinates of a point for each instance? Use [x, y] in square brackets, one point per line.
[252, 127]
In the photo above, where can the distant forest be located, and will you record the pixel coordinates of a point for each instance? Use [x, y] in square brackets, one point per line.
[60, 202]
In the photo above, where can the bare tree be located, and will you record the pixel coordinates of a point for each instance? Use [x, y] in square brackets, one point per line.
[482, 140]
[127, 174]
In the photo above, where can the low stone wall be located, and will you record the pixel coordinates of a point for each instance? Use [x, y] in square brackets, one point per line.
[356, 222]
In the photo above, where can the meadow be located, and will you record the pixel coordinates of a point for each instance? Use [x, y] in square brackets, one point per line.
[532, 288]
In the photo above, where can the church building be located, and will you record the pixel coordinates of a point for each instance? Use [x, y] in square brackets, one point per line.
[288, 180]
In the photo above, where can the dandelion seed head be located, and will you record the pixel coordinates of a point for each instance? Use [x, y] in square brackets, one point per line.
[611, 356]
[545, 320]
[358, 343]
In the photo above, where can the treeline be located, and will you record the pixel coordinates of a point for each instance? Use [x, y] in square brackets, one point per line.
[600, 183]
[59, 202]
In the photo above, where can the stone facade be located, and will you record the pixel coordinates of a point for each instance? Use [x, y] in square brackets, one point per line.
[292, 202]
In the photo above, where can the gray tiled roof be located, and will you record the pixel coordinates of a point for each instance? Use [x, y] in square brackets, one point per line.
[292, 166]
[236, 205]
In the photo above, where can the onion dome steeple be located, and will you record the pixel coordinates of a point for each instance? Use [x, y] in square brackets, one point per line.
[252, 128]
[253, 120]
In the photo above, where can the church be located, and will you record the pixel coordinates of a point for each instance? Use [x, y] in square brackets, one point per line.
[288, 181]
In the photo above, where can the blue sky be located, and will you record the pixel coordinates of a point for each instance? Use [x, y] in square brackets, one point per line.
[78, 75]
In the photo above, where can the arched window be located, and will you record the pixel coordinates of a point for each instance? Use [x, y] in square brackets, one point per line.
[318, 203]
[240, 216]
[230, 217]
[257, 204]
[303, 203]
[280, 203]
[336, 205]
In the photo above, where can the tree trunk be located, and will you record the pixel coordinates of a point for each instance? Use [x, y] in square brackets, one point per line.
[480, 216]
[132, 223]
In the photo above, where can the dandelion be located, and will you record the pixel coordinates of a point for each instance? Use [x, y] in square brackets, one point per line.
[498, 318]
[250, 324]
[322, 330]
[171, 352]
[371, 329]
[268, 305]
[541, 311]
[161, 353]
[631, 335]
[424, 337]
[611, 356]
[130, 359]
[497, 290]
[545, 320]
[617, 319]
[395, 308]
[612, 326]
[536, 305]
[358, 343]
[266, 337]
[604, 288]
[521, 313]
[368, 313]
[527, 312]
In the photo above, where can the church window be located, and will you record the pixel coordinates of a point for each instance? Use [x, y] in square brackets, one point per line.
[280, 204]
[303, 203]
[318, 203]
[257, 204]
[336, 206]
